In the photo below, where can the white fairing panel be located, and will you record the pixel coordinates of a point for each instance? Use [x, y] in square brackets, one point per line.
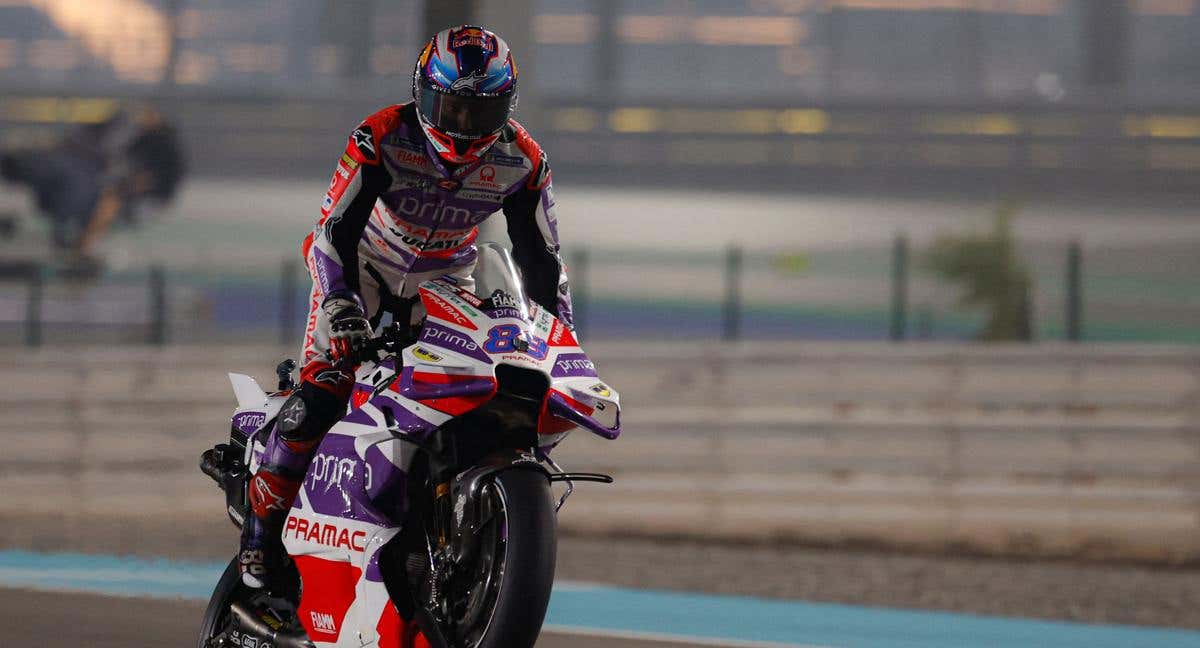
[249, 394]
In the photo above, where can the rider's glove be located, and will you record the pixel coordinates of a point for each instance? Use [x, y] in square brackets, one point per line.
[348, 326]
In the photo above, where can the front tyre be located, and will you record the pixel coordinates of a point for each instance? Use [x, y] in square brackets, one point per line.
[525, 546]
[216, 616]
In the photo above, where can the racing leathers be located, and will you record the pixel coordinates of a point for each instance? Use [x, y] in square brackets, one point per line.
[393, 217]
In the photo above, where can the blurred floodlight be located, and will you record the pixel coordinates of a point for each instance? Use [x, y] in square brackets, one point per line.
[1049, 86]
[130, 35]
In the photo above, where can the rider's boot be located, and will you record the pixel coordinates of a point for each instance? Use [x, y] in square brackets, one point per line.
[261, 550]
[302, 422]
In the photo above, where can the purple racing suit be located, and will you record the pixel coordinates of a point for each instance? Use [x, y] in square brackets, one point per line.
[395, 215]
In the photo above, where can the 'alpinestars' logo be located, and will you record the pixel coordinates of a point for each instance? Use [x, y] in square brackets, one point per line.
[470, 82]
[331, 376]
[291, 416]
[362, 139]
[268, 499]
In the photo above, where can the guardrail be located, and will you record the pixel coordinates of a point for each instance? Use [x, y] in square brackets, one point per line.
[1051, 450]
[869, 293]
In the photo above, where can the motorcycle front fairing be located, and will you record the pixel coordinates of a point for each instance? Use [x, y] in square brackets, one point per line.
[352, 500]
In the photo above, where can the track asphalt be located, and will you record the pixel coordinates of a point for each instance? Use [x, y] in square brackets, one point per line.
[103, 600]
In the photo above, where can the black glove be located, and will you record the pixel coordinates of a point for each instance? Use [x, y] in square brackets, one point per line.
[348, 326]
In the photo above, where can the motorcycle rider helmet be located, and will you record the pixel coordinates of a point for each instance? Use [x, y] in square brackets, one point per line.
[465, 88]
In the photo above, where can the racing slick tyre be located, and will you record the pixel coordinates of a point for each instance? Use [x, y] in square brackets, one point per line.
[525, 545]
[216, 615]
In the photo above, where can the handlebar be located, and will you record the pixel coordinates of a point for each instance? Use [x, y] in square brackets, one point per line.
[391, 339]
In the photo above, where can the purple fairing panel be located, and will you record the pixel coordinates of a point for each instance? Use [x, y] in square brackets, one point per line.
[406, 422]
[558, 406]
[338, 479]
[571, 365]
[451, 340]
[373, 573]
[465, 387]
[359, 417]
[387, 484]
[249, 422]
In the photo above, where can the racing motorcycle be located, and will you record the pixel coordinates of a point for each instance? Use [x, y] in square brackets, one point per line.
[431, 499]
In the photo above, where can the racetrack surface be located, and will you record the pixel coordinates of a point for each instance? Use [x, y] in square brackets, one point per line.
[72, 620]
[1059, 590]
[622, 616]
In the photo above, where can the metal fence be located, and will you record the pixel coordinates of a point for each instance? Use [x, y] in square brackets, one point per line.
[1094, 293]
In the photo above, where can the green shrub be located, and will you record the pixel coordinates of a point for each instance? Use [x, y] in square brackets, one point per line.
[985, 265]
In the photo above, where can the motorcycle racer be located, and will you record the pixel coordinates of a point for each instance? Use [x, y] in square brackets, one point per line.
[403, 207]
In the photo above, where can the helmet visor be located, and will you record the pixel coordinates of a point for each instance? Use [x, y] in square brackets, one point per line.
[464, 116]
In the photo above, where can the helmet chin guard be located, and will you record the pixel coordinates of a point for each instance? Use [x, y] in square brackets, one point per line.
[465, 88]
[455, 150]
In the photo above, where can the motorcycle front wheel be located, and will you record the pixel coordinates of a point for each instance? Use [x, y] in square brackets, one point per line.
[502, 601]
[216, 615]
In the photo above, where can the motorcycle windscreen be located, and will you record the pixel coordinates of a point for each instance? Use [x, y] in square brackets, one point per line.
[497, 278]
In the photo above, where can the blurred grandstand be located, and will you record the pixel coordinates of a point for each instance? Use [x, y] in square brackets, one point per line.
[872, 93]
[924, 112]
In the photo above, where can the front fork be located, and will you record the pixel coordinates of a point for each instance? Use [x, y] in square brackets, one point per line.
[443, 466]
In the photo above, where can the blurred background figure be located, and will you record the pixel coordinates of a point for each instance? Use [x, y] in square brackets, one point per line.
[100, 174]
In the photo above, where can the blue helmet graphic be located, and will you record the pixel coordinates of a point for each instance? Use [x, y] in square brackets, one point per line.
[465, 86]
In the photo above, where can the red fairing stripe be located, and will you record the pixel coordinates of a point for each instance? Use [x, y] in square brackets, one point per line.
[560, 336]
[454, 406]
[390, 627]
[550, 424]
[439, 308]
[359, 397]
[328, 595]
[395, 633]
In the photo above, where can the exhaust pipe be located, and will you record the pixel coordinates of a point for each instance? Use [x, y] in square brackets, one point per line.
[247, 621]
